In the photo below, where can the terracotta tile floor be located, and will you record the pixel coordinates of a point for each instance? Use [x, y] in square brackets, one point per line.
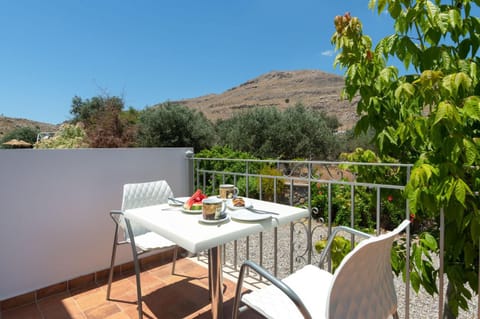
[165, 296]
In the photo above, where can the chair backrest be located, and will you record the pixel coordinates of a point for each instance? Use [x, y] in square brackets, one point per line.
[363, 285]
[138, 195]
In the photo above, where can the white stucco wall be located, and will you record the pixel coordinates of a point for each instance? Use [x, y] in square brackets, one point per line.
[54, 204]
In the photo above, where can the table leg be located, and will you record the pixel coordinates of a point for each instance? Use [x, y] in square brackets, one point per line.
[215, 277]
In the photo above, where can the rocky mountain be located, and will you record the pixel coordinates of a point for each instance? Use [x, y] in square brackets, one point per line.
[312, 88]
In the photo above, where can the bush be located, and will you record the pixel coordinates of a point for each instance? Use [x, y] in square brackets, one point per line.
[105, 124]
[68, 136]
[27, 134]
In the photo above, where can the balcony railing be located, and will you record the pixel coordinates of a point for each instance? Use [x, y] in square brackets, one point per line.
[316, 185]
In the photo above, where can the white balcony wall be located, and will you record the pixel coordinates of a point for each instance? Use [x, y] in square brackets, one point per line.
[54, 208]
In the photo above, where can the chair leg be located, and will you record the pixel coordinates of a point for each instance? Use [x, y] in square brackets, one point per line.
[112, 262]
[175, 254]
[137, 269]
[238, 293]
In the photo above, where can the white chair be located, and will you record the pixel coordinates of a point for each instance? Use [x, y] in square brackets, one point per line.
[140, 239]
[361, 287]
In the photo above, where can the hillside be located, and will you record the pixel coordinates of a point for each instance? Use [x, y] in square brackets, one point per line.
[315, 89]
[8, 124]
[312, 88]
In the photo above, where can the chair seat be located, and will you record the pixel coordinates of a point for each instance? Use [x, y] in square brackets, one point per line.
[151, 240]
[310, 283]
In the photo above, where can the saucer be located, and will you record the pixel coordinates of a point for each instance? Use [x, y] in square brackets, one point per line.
[214, 221]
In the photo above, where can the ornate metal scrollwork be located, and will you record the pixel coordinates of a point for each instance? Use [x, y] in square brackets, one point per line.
[300, 243]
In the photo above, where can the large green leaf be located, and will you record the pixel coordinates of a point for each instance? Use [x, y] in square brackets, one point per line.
[471, 108]
[460, 190]
[444, 112]
[404, 90]
[455, 20]
[432, 10]
[429, 241]
[381, 5]
[453, 82]
[464, 48]
[395, 9]
[471, 151]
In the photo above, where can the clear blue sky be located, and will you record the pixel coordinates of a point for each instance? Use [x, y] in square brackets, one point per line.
[151, 51]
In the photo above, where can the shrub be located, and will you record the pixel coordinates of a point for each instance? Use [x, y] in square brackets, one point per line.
[68, 136]
[27, 134]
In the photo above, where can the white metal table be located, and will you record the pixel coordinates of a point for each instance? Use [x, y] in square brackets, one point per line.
[188, 232]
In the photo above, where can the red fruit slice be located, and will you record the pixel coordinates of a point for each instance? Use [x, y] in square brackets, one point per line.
[196, 198]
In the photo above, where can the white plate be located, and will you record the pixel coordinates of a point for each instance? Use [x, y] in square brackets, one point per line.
[248, 216]
[232, 207]
[214, 221]
[192, 211]
[183, 199]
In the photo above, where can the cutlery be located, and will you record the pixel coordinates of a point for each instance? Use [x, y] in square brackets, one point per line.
[176, 200]
[259, 211]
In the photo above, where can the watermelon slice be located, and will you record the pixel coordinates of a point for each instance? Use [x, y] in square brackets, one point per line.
[196, 198]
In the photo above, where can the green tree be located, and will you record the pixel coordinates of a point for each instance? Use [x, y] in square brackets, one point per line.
[251, 131]
[170, 125]
[430, 117]
[268, 132]
[349, 141]
[26, 133]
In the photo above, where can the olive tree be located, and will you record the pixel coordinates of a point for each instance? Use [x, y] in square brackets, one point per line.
[171, 124]
[429, 116]
[293, 133]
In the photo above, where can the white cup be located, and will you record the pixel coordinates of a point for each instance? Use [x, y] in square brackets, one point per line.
[228, 191]
[213, 208]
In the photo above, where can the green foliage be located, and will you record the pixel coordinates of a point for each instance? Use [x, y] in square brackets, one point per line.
[267, 132]
[340, 248]
[392, 202]
[429, 117]
[235, 164]
[86, 111]
[68, 136]
[349, 141]
[26, 133]
[271, 187]
[392, 206]
[172, 125]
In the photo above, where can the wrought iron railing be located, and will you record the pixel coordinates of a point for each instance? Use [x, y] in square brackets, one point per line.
[297, 183]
